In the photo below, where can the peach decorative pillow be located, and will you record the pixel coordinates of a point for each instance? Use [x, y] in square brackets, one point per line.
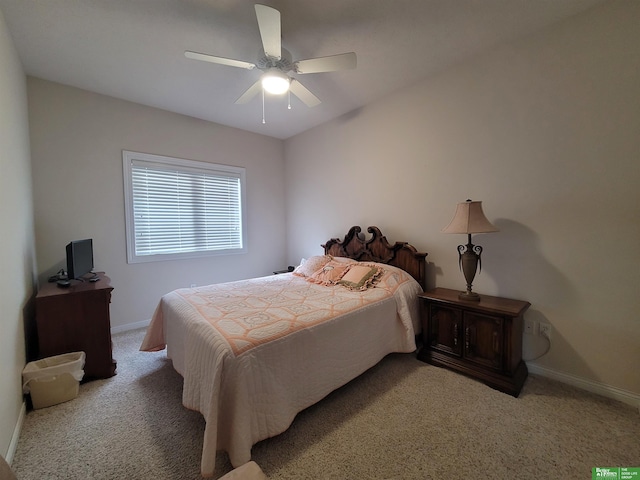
[361, 276]
[329, 274]
[311, 265]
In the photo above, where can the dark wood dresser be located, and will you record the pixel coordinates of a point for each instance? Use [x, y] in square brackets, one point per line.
[480, 339]
[74, 319]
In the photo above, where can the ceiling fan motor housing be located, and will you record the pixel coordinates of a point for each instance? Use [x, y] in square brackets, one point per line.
[284, 64]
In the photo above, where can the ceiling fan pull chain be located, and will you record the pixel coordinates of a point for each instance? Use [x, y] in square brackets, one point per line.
[263, 120]
[289, 105]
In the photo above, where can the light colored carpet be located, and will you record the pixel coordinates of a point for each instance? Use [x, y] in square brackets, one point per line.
[403, 419]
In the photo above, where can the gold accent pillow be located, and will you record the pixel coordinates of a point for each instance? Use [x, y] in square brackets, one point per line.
[361, 276]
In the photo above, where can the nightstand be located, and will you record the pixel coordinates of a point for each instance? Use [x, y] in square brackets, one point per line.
[288, 270]
[479, 339]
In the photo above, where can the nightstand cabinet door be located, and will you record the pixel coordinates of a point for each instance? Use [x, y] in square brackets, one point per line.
[445, 328]
[483, 339]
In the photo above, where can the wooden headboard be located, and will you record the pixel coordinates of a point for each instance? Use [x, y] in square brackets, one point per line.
[377, 249]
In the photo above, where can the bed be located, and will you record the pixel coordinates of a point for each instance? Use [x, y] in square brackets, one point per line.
[254, 353]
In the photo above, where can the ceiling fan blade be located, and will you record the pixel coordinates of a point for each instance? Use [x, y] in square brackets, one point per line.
[221, 60]
[300, 91]
[332, 63]
[270, 32]
[252, 91]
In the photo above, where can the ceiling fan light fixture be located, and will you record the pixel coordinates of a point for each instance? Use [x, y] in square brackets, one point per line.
[276, 82]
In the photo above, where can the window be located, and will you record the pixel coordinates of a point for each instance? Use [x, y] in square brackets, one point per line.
[181, 208]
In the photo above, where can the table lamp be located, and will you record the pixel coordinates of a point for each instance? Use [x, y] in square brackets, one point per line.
[469, 218]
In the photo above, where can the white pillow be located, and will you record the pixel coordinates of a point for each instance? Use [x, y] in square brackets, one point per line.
[345, 260]
[311, 265]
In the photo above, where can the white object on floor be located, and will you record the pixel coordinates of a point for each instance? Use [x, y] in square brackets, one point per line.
[53, 380]
[248, 471]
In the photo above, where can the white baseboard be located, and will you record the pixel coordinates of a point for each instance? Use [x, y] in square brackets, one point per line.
[608, 391]
[130, 326]
[13, 445]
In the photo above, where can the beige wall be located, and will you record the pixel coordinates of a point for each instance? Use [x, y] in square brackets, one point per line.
[545, 132]
[77, 138]
[17, 253]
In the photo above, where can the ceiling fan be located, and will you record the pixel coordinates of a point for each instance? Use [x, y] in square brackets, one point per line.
[276, 62]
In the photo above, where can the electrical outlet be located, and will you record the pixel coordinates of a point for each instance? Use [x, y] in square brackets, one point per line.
[529, 327]
[545, 330]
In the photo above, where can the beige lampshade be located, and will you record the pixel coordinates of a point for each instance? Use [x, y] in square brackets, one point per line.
[469, 218]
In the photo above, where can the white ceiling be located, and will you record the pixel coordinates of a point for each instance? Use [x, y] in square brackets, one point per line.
[134, 49]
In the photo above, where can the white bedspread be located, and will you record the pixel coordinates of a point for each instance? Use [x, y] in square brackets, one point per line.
[274, 346]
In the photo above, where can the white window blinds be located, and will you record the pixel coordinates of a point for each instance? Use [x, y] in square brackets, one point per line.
[181, 208]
